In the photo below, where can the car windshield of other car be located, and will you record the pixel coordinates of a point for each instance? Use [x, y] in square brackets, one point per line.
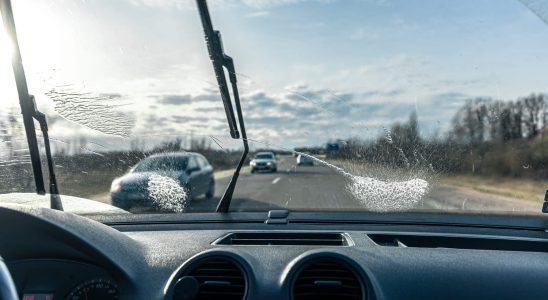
[399, 105]
[162, 164]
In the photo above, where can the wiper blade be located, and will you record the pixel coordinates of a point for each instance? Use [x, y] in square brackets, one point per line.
[24, 97]
[29, 112]
[218, 57]
[220, 61]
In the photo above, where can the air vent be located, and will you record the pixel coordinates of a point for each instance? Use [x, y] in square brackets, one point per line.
[285, 238]
[327, 279]
[459, 242]
[218, 278]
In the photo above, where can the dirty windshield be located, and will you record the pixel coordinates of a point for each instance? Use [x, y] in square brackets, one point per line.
[359, 105]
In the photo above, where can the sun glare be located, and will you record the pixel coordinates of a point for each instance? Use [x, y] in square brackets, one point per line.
[6, 46]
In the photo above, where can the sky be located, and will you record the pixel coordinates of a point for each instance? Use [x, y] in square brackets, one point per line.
[309, 70]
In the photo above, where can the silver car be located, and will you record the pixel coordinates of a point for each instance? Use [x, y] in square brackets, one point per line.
[304, 160]
[264, 161]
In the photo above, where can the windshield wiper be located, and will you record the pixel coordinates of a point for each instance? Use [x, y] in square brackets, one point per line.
[220, 61]
[30, 112]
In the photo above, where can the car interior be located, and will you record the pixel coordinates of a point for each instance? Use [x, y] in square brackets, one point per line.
[214, 230]
[274, 255]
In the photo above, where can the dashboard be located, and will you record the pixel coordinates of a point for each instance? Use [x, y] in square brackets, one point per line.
[54, 255]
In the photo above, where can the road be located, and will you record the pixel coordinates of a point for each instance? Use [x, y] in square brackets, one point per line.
[292, 187]
[319, 187]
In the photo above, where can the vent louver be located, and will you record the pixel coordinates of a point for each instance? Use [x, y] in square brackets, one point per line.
[285, 238]
[219, 278]
[327, 279]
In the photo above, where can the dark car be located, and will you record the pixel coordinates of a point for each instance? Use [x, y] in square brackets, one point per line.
[190, 171]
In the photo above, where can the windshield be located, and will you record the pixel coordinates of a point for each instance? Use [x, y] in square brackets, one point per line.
[376, 105]
[152, 164]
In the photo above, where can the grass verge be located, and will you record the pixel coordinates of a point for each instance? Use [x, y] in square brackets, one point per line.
[518, 188]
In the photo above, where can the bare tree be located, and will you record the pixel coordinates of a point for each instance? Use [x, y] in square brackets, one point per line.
[533, 106]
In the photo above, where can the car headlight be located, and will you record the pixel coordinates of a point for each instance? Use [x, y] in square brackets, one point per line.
[252, 163]
[269, 163]
[115, 186]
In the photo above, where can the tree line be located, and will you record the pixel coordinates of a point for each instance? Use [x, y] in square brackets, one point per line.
[486, 137]
[485, 120]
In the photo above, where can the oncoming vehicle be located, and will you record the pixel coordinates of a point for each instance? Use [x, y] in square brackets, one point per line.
[304, 160]
[191, 171]
[264, 161]
[426, 122]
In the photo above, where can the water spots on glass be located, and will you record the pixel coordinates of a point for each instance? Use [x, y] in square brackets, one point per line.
[100, 112]
[388, 135]
[379, 195]
[167, 194]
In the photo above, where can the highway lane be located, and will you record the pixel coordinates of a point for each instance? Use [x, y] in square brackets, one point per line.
[292, 187]
[322, 188]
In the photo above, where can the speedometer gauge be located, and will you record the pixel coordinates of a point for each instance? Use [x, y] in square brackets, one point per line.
[95, 289]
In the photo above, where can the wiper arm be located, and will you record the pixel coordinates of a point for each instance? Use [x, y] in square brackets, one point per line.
[219, 60]
[55, 199]
[29, 112]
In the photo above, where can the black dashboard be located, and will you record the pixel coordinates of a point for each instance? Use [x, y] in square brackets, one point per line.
[55, 255]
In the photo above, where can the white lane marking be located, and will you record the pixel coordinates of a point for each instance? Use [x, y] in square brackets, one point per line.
[276, 180]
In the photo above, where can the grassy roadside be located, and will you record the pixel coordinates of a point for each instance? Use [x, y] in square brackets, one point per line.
[516, 188]
[523, 189]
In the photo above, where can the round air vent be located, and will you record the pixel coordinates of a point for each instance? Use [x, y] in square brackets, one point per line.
[213, 277]
[327, 278]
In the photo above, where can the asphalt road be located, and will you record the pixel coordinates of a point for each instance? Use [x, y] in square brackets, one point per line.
[292, 187]
[321, 188]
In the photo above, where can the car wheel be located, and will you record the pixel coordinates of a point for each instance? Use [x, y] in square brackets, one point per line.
[274, 170]
[211, 191]
[252, 171]
[123, 204]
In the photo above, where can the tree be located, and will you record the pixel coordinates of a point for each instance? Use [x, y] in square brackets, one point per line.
[169, 146]
[533, 107]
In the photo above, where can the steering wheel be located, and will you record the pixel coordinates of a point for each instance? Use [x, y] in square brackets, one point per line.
[7, 287]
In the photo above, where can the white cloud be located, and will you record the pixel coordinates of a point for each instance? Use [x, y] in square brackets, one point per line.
[258, 4]
[258, 14]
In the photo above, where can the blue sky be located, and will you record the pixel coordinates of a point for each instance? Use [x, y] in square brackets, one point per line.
[309, 70]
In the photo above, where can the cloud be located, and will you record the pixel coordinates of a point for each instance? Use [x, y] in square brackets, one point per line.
[300, 114]
[257, 4]
[187, 119]
[272, 121]
[174, 99]
[208, 97]
[208, 109]
[111, 95]
[258, 14]
[156, 121]
[275, 3]
[259, 100]
[383, 93]
[450, 97]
